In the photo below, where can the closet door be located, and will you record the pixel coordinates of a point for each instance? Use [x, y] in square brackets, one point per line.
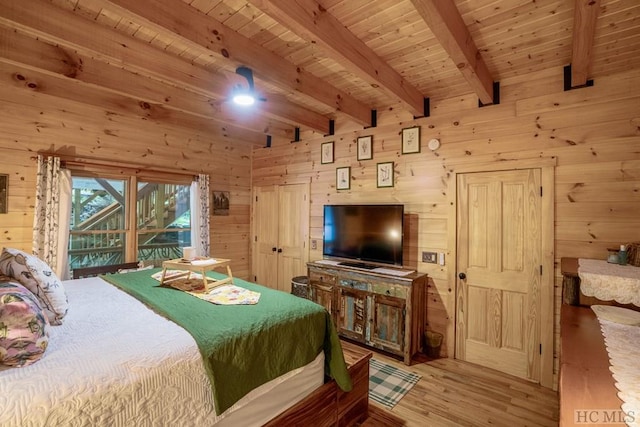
[293, 233]
[265, 236]
[281, 232]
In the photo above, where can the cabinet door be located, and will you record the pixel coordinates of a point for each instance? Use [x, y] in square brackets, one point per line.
[351, 319]
[322, 294]
[388, 322]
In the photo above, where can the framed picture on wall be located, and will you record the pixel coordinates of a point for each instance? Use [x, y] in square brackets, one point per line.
[326, 152]
[4, 188]
[221, 203]
[365, 147]
[385, 174]
[411, 140]
[343, 178]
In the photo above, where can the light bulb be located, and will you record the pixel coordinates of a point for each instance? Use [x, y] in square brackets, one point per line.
[245, 99]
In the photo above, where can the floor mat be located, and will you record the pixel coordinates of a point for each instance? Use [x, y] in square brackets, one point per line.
[388, 384]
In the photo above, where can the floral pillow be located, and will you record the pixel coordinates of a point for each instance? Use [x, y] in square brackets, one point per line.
[35, 275]
[24, 328]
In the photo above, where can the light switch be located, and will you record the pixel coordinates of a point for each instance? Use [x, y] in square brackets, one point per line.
[430, 257]
[441, 258]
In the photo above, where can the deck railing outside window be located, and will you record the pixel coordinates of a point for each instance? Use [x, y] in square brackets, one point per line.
[99, 221]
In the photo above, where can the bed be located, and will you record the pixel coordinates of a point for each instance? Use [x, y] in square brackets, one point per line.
[600, 349]
[114, 361]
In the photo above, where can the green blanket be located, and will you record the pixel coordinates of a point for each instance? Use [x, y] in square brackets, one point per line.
[245, 346]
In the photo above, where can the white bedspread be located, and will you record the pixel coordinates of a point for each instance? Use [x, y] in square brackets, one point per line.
[114, 362]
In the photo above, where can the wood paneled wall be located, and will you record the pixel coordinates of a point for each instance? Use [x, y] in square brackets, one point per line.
[33, 120]
[593, 133]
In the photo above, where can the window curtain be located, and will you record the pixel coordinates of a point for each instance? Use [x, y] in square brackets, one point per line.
[200, 215]
[53, 202]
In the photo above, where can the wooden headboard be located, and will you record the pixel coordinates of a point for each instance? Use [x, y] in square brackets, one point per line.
[79, 273]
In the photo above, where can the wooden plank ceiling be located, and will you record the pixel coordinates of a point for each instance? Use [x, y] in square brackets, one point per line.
[313, 60]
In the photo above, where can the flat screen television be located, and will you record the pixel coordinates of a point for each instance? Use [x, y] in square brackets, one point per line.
[367, 233]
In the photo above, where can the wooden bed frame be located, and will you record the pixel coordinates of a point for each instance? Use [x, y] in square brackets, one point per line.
[330, 406]
[79, 273]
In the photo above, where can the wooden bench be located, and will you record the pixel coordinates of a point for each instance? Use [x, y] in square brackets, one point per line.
[79, 273]
[586, 384]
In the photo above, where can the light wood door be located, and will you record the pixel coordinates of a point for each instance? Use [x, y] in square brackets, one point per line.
[281, 230]
[499, 271]
[293, 233]
[265, 246]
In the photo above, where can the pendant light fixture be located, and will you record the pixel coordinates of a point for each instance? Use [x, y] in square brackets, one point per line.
[244, 96]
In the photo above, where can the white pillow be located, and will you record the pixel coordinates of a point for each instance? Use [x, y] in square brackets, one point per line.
[617, 314]
[35, 275]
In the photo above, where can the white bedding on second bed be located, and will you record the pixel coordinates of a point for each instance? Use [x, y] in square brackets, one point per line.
[115, 362]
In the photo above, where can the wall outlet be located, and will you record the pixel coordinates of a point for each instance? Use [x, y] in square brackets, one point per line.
[314, 244]
[430, 257]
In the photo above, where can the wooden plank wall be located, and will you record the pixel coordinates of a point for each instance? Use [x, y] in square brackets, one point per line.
[34, 120]
[593, 133]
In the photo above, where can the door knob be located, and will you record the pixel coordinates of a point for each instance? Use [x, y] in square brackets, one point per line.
[462, 276]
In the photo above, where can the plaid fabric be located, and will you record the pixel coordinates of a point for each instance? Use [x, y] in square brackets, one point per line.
[388, 384]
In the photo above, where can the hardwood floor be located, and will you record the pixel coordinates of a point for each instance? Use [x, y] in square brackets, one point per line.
[455, 393]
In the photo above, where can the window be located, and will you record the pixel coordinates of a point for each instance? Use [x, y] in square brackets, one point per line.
[163, 220]
[109, 225]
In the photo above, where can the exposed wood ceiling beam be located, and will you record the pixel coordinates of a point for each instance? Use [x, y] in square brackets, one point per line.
[32, 81]
[61, 62]
[311, 21]
[297, 116]
[41, 18]
[447, 25]
[203, 30]
[585, 16]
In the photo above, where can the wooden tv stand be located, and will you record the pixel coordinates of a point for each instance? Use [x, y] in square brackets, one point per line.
[372, 307]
